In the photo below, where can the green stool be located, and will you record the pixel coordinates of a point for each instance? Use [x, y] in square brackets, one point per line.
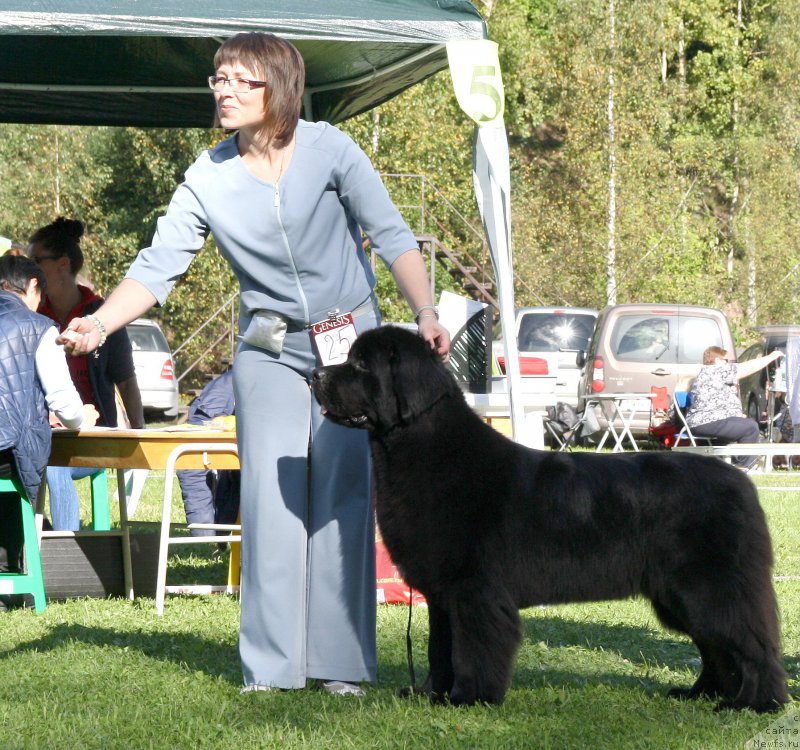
[32, 581]
[101, 515]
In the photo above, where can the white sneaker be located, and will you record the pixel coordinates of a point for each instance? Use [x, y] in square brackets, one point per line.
[338, 687]
[255, 688]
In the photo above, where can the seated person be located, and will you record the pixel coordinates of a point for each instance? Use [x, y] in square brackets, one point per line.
[715, 409]
[211, 496]
[56, 249]
[34, 380]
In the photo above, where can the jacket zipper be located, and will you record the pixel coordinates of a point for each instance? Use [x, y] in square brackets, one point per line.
[303, 299]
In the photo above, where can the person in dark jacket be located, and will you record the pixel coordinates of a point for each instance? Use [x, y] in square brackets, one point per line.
[211, 496]
[34, 380]
[56, 250]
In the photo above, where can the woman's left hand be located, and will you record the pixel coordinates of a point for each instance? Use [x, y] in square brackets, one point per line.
[436, 335]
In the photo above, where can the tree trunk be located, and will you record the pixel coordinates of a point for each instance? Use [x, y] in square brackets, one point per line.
[611, 252]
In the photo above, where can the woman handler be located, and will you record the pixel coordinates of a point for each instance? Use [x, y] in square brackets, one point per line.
[286, 201]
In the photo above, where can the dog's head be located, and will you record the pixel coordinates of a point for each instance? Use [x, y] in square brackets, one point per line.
[390, 377]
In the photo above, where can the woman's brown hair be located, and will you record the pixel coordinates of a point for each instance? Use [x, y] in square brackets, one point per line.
[710, 355]
[277, 62]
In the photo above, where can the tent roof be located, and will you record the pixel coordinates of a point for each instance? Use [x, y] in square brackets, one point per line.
[144, 62]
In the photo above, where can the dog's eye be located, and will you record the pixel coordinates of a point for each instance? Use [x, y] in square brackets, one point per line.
[359, 367]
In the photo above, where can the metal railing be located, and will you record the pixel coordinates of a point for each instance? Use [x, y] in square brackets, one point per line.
[228, 308]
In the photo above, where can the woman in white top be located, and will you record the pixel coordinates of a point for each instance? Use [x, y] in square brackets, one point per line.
[34, 381]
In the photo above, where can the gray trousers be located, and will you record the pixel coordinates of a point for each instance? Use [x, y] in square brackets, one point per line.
[308, 595]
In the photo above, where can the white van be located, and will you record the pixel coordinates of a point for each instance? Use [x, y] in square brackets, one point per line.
[549, 340]
[155, 370]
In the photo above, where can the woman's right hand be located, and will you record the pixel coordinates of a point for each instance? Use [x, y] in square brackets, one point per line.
[80, 337]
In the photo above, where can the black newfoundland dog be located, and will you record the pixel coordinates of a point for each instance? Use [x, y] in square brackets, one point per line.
[483, 526]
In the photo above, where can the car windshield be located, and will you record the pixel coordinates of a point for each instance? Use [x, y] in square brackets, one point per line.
[147, 339]
[674, 339]
[553, 332]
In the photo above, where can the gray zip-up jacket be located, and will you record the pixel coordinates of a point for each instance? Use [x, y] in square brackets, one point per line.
[295, 247]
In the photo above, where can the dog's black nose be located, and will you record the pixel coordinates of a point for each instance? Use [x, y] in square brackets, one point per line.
[318, 374]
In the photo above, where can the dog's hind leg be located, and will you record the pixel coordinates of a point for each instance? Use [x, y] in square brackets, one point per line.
[762, 686]
[486, 633]
[717, 675]
[755, 645]
[736, 632]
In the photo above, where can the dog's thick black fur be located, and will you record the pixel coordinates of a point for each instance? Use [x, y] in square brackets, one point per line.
[483, 526]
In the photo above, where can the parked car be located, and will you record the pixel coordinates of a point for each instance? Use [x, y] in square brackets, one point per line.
[755, 389]
[155, 370]
[549, 340]
[635, 347]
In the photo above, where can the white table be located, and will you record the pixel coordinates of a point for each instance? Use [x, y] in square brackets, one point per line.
[622, 407]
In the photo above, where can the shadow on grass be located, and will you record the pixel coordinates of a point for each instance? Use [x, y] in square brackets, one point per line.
[200, 653]
[648, 661]
[629, 642]
[560, 651]
[214, 657]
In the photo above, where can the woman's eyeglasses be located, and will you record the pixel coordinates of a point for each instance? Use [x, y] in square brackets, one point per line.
[238, 85]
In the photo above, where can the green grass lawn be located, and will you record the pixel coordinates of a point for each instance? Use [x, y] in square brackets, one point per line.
[95, 673]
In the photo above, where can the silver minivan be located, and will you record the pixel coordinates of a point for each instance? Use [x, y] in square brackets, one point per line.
[637, 347]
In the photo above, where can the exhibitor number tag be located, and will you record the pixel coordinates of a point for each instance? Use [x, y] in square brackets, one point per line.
[333, 338]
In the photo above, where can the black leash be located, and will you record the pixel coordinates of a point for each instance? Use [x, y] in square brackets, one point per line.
[409, 652]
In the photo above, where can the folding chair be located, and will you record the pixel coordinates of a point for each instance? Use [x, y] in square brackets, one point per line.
[660, 401]
[660, 426]
[166, 539]
[681, 400]
[557, 432]
[564, 426]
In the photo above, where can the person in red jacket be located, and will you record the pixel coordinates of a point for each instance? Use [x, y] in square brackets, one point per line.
[56, 249]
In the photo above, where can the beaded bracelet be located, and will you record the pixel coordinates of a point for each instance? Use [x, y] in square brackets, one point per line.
[422, 309]
[101, 329]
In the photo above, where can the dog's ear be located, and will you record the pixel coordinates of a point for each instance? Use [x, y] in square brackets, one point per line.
[419, 378]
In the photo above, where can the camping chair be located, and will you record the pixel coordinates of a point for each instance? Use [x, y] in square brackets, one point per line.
[659, 404]
[566, 426]
[557, 431]
[661, 428]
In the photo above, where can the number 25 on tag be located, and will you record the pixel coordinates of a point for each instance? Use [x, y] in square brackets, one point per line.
[333, 338]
